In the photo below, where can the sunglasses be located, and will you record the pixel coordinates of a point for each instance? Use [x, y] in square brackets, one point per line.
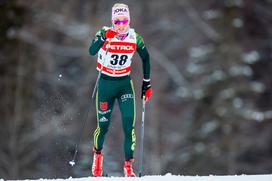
[118, 22]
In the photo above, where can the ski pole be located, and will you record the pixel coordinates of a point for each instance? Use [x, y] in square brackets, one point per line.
[72, 162]
[142, 138]
[99, 73]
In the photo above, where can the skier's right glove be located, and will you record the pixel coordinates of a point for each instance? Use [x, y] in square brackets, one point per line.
[110, 33]
[146, 90]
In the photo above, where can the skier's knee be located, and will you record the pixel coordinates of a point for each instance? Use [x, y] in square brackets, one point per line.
[128, 132]
[128, 120]
[104, 127]
[128, 124]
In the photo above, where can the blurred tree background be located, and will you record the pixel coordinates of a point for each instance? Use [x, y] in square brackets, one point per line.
[211, 112]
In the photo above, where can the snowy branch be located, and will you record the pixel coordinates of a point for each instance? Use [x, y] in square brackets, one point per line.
[196, 19]
[66, 51]
[170, 67]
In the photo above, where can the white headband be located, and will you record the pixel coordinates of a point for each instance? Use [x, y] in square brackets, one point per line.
[120, 10]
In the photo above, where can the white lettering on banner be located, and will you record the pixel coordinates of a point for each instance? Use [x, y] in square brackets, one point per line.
[121, 47]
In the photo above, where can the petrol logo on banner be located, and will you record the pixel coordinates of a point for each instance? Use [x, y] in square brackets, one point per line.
[120, 47]
[103, 106]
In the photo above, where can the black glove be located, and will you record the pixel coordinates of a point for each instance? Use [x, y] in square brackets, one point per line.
[146, 89]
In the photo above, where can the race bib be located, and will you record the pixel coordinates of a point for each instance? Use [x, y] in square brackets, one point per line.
[116, 58]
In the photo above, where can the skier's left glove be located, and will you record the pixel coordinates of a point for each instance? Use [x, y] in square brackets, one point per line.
[146, 90]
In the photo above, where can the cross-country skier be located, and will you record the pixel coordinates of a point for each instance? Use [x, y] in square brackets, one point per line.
[115, 83]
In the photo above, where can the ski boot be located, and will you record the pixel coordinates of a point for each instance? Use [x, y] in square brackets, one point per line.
[128, 170]
[97, 167]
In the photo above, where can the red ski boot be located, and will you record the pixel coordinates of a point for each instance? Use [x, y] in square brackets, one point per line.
[97, 168]
[128, 170]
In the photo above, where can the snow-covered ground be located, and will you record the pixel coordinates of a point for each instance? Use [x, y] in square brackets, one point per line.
[169, 177]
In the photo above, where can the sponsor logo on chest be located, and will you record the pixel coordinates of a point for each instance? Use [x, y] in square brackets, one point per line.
[120, 47]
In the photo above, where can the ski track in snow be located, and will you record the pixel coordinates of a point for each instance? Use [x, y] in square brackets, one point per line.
[170, 177]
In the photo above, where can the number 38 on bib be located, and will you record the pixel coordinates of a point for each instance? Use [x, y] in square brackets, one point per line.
[117, 62]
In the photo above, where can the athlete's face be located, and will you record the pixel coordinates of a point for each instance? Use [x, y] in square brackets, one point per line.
[120, 24]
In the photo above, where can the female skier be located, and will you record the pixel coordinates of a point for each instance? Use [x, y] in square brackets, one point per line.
[115, 47]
